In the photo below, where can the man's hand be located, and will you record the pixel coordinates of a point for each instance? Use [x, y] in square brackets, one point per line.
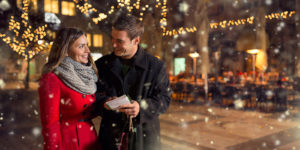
[109, 99]
[132, 109]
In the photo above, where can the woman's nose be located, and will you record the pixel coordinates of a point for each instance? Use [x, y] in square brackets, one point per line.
[87, 50]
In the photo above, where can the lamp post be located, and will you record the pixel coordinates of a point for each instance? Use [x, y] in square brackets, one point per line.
[253, 52]
[194, 56]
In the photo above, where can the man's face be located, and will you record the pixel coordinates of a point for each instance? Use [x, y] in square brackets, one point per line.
[122, 45]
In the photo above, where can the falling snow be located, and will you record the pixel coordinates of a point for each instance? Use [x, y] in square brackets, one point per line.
[188, 124]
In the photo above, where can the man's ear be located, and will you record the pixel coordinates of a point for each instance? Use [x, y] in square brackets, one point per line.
[137, 40]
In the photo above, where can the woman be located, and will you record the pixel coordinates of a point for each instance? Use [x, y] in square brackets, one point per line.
[66, 92]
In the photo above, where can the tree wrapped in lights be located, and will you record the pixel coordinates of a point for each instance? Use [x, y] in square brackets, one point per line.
[24, 39]
[87, 9]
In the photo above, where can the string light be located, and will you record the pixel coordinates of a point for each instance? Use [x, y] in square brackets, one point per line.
[22, 42]
[250, 20]
[162, 4]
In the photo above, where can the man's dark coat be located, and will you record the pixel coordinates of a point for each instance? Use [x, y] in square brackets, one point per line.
[146, 82]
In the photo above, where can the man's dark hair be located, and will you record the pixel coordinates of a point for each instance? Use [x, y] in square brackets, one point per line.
[129, 23]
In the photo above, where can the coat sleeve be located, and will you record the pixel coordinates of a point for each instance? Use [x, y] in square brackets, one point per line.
[49, 92]
[101, 93]
[158, 98]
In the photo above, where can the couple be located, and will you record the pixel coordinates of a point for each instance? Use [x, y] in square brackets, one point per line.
[73, 90]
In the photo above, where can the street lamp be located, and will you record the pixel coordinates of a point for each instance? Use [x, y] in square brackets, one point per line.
[194, 55]
[253, 52]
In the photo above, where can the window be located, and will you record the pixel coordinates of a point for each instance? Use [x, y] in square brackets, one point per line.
[51, 6]
[34, 6]
[88, 36]
[98, 40]
[179, 64]
[67, 8]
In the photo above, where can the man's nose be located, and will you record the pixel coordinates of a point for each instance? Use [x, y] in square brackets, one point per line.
[114, 44]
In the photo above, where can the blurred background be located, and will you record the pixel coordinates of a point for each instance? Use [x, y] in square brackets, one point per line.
[233, 65]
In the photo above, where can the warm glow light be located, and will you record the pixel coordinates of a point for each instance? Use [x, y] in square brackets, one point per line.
[253, 51]
[21, 40]
[129, 5]
[194, 55]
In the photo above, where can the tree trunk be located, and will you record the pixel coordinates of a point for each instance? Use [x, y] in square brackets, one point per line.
[26, 83]
[201, 20]
[297, 21]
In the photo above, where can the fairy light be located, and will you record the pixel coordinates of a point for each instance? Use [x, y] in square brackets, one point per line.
[21, 41]
[162, 5]
[250, 20]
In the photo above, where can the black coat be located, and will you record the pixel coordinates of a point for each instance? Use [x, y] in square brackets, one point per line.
[146, 82]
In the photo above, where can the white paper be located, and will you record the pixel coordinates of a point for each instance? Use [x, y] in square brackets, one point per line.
[117, 102]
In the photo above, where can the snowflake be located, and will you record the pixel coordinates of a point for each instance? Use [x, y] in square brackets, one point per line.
[204, 49]
[184, 7]
[144, 104]
[206, 119]
[175, 36]
[238, 104]
[2, 84]
[182, 43]
[287, 112]
[210, 110]
[281, 24]
[277, 142]
[36, 131]
[36, 112]
[50, 95]
[184, 125]
[268, 2]
[195, 117]
[269, 93]
[182, 120]
[235, 4]
[279, 28]
[11, 133]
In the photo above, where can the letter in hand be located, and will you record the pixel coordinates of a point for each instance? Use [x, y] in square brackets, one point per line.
[116, 102]
[107, 100]
[132, 109]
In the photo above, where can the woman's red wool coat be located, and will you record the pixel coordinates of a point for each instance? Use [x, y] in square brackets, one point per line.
[65, 116]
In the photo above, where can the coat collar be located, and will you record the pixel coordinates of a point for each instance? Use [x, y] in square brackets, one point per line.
[139, 59]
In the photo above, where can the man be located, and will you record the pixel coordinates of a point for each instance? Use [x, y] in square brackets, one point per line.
[142, 77]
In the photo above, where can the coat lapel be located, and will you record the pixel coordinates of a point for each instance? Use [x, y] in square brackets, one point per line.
[116, 69]
[141, 61]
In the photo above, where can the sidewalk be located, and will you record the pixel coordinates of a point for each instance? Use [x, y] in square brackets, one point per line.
[11, 85]
[200, 127]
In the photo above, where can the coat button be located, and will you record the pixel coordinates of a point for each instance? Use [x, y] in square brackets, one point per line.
[83, 96]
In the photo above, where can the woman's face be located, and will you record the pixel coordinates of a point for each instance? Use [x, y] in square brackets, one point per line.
[79, 50]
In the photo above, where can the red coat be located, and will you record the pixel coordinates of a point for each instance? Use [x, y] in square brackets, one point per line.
[65, 116]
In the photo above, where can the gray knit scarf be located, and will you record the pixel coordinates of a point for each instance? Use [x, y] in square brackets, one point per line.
[77, 76]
